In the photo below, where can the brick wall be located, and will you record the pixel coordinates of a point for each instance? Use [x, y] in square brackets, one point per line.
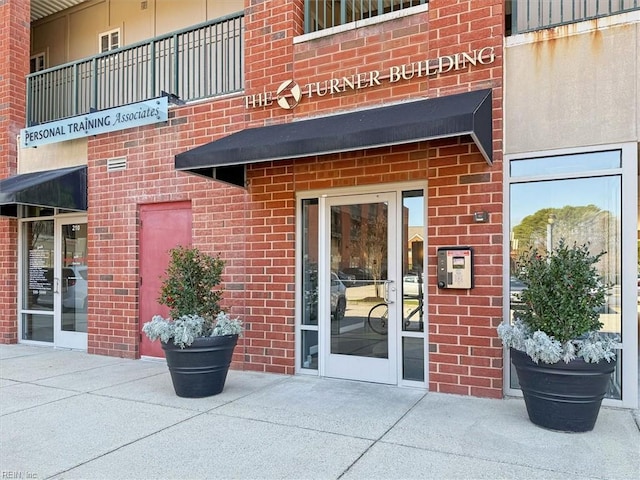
[255, 229]
[113, 217]
[466, 354]
[14, 66]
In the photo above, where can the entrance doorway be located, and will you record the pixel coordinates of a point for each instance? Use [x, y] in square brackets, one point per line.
[362, 313]
[163, 226]
[361, 336]
[54, 281]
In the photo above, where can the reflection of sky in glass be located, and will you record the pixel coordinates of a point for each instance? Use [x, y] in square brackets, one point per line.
[576, 163]
[416, 210]
[528, 198]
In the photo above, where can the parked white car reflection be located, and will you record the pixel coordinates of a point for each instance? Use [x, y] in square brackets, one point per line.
[338, 297]
[411, 286]
[73, 287]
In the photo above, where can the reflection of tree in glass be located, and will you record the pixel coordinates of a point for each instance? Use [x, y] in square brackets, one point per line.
[39, 228]
[575, 224]
[370, 242]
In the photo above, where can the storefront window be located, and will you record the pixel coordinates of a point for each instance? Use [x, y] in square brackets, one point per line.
[37, 278]
[413, 235]
[309, 290]
[413, 260]
[310, 262]
[310, 349]
[586, 210]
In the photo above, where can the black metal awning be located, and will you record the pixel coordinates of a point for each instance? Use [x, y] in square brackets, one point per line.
[62, 188]
[441, 117]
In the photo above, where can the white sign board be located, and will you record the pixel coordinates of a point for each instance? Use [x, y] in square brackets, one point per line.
[104, 121]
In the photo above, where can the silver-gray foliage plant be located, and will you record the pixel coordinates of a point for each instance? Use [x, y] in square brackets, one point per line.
[593, 347]
[185, 329]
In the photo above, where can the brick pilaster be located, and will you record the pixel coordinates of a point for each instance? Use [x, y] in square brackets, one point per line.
[14, 66]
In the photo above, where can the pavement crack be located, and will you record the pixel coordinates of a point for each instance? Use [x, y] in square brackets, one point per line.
[379, 439]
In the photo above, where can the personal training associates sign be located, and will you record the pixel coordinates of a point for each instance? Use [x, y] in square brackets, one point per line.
[104, 121]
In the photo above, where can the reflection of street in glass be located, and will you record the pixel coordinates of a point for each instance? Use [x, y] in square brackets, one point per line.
[350, 335]
[74, 321]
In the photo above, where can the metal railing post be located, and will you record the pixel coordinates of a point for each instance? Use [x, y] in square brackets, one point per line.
[93, 103]
[176, 66]
[152, 73]
[75, 89]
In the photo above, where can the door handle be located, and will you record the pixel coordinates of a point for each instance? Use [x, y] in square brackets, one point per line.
[56, 285]
[388, 286]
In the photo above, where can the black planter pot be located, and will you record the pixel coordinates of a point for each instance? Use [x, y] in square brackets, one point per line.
[200, 370]
[562, 396]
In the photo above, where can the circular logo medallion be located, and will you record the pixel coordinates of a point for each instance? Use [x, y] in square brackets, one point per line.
[288, 94]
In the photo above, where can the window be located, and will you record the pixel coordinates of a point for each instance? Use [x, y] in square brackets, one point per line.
[322, 14]
[37, 63]
[576, 197]
[109, 40]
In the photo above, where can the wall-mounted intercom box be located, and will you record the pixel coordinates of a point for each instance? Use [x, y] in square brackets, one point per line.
[455, 267]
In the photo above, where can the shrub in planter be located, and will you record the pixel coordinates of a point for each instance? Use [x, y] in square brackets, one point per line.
[555, 331]
[198, 338]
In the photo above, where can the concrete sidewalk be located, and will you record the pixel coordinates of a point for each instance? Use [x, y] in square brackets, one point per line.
[67, 414]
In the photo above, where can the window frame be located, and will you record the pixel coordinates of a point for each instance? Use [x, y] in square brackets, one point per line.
[629, 235]
[321, 196]
[39, 58]
[108, 35]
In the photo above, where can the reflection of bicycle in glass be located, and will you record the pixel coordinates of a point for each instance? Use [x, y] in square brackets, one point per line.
[378, 318]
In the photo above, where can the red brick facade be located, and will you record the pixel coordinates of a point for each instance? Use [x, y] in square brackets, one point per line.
[254, 229]
[14, 66]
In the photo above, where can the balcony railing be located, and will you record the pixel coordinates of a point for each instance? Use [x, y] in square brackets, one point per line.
[321, 14]
[531, 15]
[199, 62]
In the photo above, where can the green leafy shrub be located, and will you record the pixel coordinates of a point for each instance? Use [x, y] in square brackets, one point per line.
[559, 314]
[563, 293]
[192, 283]
[191, 290]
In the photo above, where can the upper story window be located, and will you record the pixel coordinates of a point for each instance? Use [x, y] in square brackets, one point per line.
[37, 63]
[323, 14]
[109, 40]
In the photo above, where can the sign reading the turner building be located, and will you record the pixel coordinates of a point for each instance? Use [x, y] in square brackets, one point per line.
[104, 121]
[289, 93]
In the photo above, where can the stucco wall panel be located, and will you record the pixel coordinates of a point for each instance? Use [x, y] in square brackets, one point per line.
[573, 90]
[52, 156]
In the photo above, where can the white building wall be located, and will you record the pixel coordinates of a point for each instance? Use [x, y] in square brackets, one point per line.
[573, 86]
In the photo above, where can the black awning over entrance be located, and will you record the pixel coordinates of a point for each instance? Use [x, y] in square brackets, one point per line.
[441, 117]
[62, 188]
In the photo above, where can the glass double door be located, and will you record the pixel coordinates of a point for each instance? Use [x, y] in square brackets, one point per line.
[54, 282]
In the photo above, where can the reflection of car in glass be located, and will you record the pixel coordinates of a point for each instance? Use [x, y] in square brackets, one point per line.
[411, 285]
[338, 297]
[363, 276]
[348, 279]
[515, 289]
[73, 287]
[74, 297]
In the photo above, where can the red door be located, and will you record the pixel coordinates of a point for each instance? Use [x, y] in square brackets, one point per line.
[163, 226]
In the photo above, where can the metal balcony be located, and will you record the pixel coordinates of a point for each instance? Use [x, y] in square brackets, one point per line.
[322, 14]
[202, 61]
[532, 15]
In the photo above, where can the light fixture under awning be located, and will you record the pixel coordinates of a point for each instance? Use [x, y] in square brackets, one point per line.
[62, 188]
[441, 117]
